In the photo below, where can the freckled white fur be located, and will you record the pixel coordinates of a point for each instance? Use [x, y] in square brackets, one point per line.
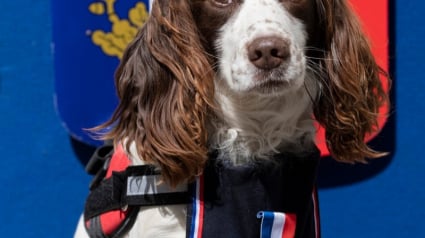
[247, 25]
[252, 127]
[250, 123]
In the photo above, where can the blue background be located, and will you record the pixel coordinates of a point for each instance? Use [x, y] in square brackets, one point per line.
[84, 74]
[43, 185]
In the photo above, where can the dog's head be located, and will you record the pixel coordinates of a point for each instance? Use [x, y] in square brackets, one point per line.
[168, 74]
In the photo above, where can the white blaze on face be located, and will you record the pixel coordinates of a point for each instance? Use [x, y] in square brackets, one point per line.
[260, 18]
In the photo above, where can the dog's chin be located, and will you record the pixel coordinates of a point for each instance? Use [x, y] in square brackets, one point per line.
[270, 83]
[270, 87]
[261, 84]
[274, 87]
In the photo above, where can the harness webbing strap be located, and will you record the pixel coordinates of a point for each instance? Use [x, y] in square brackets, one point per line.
[114, 201]
[223, 202]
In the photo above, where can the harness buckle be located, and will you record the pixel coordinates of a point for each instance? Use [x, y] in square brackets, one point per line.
[99, 163]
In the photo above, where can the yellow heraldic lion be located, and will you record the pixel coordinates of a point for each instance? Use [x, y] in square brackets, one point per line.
[122, 31]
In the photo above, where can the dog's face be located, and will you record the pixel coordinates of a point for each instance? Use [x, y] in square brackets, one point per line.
[168, 78]
[259, 45]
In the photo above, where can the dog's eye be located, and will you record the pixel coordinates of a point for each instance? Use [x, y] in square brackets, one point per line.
[222, 3]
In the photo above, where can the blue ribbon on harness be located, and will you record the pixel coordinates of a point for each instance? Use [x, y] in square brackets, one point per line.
[272, 224]
[266, 223]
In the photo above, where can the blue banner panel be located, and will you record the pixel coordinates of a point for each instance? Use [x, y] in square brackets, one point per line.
[89, 38]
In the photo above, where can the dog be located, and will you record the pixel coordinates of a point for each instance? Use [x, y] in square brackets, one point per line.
[247, 80]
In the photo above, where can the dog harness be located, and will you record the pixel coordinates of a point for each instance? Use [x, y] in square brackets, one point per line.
[264, 199]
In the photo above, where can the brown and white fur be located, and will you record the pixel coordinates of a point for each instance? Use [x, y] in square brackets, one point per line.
[247, 78]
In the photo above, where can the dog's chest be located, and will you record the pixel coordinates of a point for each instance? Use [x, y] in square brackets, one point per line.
[226, 199]
[234, 195]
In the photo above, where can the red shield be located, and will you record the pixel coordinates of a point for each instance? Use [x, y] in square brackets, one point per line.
[374, 16]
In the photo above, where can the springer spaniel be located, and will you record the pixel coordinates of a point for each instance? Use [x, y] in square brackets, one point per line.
[247, 79]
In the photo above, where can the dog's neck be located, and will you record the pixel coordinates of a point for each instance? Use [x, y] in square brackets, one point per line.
[252, 126]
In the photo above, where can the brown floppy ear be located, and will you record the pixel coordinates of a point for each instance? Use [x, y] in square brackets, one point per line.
[352, 92]
[165, 84]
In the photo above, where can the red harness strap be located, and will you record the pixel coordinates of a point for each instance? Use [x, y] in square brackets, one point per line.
[282, 185]
[110, 222]
[118, 191]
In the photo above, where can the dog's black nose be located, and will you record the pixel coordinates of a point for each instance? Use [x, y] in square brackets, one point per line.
[268, 52]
